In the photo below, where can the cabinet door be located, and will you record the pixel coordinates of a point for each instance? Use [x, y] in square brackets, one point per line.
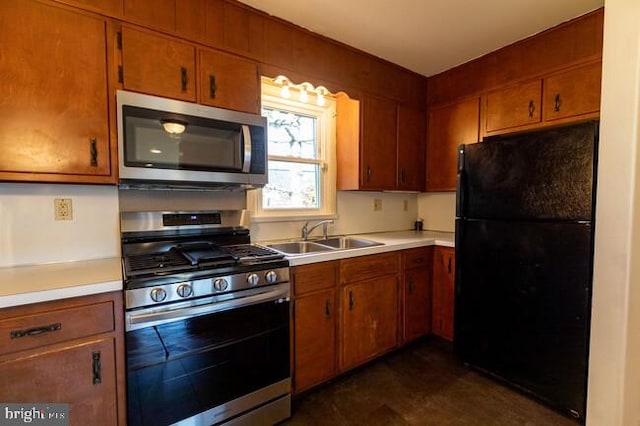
[159, 14]
[158, 65]
[417, 303]
[229, 82]
[81, 375]
[314, 339]
[411, 148]
[443, 292]
[572, 93]
[514, 106]
[378, 145]
[53, 96]
[369, 319]
[449, 126]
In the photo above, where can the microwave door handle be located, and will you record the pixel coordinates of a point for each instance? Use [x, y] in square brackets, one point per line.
[246, 139]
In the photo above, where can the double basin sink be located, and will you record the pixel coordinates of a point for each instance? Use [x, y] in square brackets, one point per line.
[323, 245]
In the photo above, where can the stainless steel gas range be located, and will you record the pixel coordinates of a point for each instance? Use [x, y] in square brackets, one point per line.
[207, 321]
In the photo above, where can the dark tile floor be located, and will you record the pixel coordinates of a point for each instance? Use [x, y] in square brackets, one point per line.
[422, 384]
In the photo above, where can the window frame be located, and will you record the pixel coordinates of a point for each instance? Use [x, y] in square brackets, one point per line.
[326, 148]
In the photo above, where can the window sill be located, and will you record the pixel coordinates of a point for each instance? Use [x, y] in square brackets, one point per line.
[293, 218]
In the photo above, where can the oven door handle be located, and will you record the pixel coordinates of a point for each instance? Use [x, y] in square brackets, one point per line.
[135, 321]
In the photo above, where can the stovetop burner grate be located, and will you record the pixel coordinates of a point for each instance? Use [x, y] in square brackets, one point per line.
[169, 260]
[251, 252]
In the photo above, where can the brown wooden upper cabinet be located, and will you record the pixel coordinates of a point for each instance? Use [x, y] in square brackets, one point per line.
[229, 82]
[449, 126]
[380, 145]
[514, 106]
[160, 14]
[572, 93]
[53, 96]
[110, 7]
[411, 148]
[158, 65]
[379, 132]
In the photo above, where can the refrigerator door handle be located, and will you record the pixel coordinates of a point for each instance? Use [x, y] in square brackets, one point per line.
[460, 183]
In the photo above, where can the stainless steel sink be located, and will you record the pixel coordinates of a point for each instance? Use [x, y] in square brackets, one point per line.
[347, 243]
[299, 247]
[322, 245]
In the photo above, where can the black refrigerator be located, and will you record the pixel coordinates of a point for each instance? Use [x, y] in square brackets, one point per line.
[524, 256]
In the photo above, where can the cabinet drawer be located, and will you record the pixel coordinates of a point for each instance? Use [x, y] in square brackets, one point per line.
[314, 277]
[366, 267]
[417, 258]
[40, 329]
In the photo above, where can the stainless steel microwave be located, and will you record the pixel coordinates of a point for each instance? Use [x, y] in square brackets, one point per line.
[173, 143]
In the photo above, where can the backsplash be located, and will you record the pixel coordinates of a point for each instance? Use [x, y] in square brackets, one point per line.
[29, 234]
[355, 216]
[438, 210]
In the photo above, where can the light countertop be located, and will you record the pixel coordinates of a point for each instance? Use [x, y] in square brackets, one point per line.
[21, 285]
[396, 240]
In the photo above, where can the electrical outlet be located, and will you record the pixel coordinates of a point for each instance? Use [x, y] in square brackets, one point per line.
[63, 209]
[377, 205]
[405, 205]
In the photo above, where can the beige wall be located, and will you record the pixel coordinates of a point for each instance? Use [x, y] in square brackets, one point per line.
[355, 215]
[29, 234]
[614, 365]
[438, 210]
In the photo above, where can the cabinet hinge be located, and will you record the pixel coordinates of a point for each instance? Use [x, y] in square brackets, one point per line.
[120, 74]
[119, 40]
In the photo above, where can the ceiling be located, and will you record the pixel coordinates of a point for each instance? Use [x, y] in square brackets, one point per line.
[426, 36]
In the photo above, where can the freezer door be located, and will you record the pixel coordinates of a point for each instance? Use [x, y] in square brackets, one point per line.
[522, 305]
[543, 175]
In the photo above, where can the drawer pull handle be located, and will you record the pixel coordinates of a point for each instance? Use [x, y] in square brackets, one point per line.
[16, 334]
[212, 86]
[532, 108]
[97, 368]
[93, 148]
[557, 103]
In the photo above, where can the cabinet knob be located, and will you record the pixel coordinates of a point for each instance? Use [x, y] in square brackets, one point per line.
[368, 173]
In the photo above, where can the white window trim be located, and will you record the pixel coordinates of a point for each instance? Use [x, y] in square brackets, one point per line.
[327, 125]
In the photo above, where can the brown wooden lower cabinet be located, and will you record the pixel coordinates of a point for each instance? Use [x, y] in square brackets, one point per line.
[314, 324]
[369, 320]
[443, 291]
[416, 293]
[83, 368]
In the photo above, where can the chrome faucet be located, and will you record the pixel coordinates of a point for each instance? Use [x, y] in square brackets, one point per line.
[306, 230]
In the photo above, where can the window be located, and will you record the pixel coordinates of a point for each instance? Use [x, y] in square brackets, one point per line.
[301, 137]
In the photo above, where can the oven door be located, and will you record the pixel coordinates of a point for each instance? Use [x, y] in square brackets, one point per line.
[212, 367]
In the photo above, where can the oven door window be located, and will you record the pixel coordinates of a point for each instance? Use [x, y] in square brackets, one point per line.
[183, 368]
[153, 139]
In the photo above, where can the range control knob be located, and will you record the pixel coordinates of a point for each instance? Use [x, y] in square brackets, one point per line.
[271, 277]
[253, 279]
[220, 284]
[158, 294]
[184, 290]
